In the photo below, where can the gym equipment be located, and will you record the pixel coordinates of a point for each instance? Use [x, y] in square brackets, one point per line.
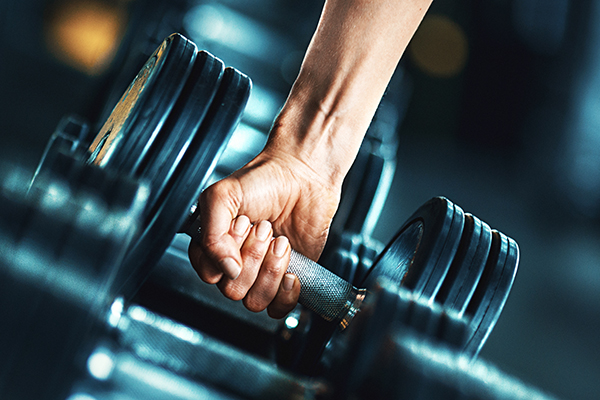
[417, 354]
[184, 104]
[62, 244]
[168, 130]
[67, 331]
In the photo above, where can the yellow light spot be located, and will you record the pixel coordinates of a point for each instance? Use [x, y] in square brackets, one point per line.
[439, 47]
[85, 34]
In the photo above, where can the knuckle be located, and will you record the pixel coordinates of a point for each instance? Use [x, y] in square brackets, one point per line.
[254, 254]
[253, 304]
[233, 292]
[222, 192]
[212, 246]
[273, 269]
[204, 269]
[210, 278]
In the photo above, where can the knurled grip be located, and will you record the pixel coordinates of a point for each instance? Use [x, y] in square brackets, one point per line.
[324, 292]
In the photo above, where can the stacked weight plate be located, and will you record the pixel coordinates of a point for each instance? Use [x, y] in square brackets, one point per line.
[416, 355]
[444, 256]
[168, 130]
[441, 257]
[436, 292]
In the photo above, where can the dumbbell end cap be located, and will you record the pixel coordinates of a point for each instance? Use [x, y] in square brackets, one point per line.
[353, 308]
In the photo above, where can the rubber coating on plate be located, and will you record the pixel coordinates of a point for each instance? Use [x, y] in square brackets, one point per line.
[441, 226]
[467, 266]
[190, 177]
[493, 290]
[398, 258]
[181, 126]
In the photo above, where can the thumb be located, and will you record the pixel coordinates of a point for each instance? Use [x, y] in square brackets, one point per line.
[218, 209]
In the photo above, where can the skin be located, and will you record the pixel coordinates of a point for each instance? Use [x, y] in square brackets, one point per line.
[290, 192]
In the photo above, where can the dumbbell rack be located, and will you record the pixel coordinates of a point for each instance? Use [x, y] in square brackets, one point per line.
[91, 344]
[79, 334]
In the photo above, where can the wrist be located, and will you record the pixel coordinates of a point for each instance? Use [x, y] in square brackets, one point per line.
[318, 131]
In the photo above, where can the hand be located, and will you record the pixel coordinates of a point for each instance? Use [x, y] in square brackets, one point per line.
[246, 220]
[292, 188]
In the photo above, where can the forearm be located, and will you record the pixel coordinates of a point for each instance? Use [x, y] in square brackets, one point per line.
[346, 69]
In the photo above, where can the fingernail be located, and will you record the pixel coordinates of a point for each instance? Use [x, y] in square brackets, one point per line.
[241, 225]
[263, 230]
[280, 246]
[231, 268]
[288, 282]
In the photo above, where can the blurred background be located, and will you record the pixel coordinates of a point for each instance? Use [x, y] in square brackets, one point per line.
[498, 109]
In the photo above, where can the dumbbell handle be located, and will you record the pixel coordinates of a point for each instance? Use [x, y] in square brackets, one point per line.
[321, 291]
[325, 293]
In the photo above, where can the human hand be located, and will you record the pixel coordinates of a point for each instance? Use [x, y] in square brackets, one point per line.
[292, 188]
[246, 220]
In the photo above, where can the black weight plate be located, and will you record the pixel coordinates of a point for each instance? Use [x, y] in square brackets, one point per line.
[467, 266]
[367, 253]
[181, 126]
[190, 177]
[492, 290]
[129, 132]
[419, 256]
[398, 257]
[372, 173]
[439, 245]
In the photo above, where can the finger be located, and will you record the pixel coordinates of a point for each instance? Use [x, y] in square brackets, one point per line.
[253, 252]
[203, 266]
[240, 229]
[270, 275]
[218, 210]
[206, 268]
[286, 298]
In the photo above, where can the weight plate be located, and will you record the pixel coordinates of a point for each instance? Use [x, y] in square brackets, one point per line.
[492, 290]
[367, 253]
[181, 126]
[467, 266]
[420, 255]
[189, 178]
[443, 223]
[125, 139]
[371, 175]
[398, 257]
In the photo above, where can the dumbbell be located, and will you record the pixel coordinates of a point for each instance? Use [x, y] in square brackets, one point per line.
[168, 130]
[416, 354]
[444, 258]
[61, 245]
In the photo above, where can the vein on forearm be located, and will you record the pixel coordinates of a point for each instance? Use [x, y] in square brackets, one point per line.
[344, 74]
